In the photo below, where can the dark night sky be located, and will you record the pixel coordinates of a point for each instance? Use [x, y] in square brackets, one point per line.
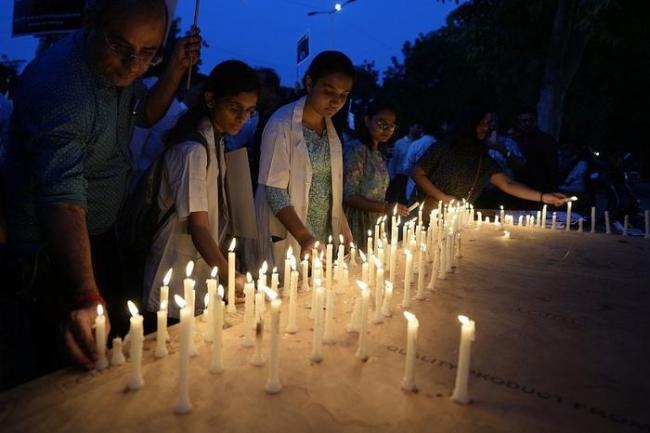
[264, 32]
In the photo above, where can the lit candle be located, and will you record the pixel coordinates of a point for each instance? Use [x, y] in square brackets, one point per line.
[502, 213]
[260, 306]
[569, 205]
[249, 311]
[386, 308]
[286, 277]
[406, 301]
[183, 405]
[231, 276]
[442, 246]
[273, 384]
[544, 209]
[340, 256]
[362, 350]
[393, 227]
[100, 338]
[369, 249]
[420, 291]
[377, 234]
[161, 331]
[164, 290]
[553, 220]
[520, 221]
[329, 251]
[353, 254]
[275, 279]
[405, 235]
[646, 215]
[593, 219]
[408, 382]
[626, 223]
[217, 305]
[539, 218]
[189, 293]
[117, 356]
[206, 308]
[317, 271]
[467, 335]
[209, 317]
[608, 228]
[292, 327]
[420, 209]
[479, 218]
[364, 267]
[316, 355]
[379, 292]
[136, 333]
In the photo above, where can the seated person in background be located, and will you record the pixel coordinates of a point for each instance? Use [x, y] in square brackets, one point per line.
[193, 181]
[365, 176]
[461, 168]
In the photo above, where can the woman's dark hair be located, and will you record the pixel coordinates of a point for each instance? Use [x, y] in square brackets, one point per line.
[375, 107]
[227, 79]
[467, 121]
[328, 63]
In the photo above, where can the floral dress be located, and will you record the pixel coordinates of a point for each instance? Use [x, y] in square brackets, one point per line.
[365, 174]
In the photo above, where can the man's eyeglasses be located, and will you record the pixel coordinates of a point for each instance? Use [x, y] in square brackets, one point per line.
[238, 111]
[126, 53]
[385, 126]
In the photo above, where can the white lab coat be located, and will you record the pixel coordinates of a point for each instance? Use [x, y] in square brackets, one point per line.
[285, 163]
[187, 184]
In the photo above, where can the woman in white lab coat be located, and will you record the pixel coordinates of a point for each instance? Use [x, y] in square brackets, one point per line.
[194, 183]
[300, 192]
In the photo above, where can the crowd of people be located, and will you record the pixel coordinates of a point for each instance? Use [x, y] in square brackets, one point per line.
[72, 162]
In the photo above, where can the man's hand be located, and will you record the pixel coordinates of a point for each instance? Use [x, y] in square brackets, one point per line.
[554, 198]
[187, 51]
[79, 336]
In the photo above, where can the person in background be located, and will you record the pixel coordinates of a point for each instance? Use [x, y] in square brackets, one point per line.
[299, 198]
[365, 176]
[66, 173]
[461, 168]
[416, 150]
[193, 181]
[398, 178]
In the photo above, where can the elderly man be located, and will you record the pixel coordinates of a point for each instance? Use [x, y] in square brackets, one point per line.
[67, 168]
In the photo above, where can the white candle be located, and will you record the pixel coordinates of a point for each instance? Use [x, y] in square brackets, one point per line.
[467, 335]
[275, 279]
[117, 356]
[406, 301]
[355, 316]
[362, 349]
[329, 251]
[305, 273]
[340, 256]
[317, 272]
[386, 308]
[420, 209]
[377, 234]
[273, 384]
[626, 223]
[257, 359]
[420, 291]
[189, 293]
[208, 313]
[393, 227]
[164, 294]
[371, 270]
[286, 276]
[608, 228]
[353, 254]
[100, 338]
[364, 267]
[316, 355]
[369, 249]
[593, 219]
[260, 306]
[314, 258]
[569, 205]
[408, 382]
[217, 304]
[393, 261]
[231, 276]
[502, 213]
[379, 292]
[161, 331]
[544, 209]
[292, 326]
[249, 311]
[136, 334]
[183, 405]
[328, 330]
[206, 310]
[405, 235]
[646, 215]
[553, 220]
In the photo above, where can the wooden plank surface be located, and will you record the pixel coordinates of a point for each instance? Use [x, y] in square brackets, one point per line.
[562, 327]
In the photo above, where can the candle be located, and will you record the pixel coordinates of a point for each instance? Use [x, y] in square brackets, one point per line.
[553, 220]
[189, 293]
[260, 306]
[626, 223]
[231, 276]
[379, 292]
[408, 382]
[544, 209]
[520, 221]
[580, 224]
[328, 331]
[217, 305]
[183, 404]
[371, 270]
[393, 261]
[608, 228]
[393, 227]
[593, 219]
[275, 279]
[292, 327]
[305, 273]
[257, 359]
[353, 254]
[345, 278]
[100, 338]
[442, 246]
[364, 267]
[117, 356]
[406, 301]
[386, 308]
[340, 256]
[273, 384]
[377, 234]
[362, 350]
[286, 276]
[405, 235]
[467, 335]
[369, 249]
[209, 317]
[646, 215]
[249, 311]
[164, 292]
[420, 209]
[317, 271]
[502, 213]
[420, 291]
[314, 258]
[329, 251]
[355, 317]
[136, 333]
[206, 313]
[161, 331]
[316, 355]
[538, 218]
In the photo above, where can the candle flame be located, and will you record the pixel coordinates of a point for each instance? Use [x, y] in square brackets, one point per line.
[573, 198]
[399, 220]
[329, 239]
[214, 272]
[316, 245]
[220, 291]
[233, 244]
[264, 268]
[464, 320]
[275, 270]
[409, 316]
[306, 257]
[206, 300]
[167, 278]
[132, 308]
[100, 310]
[163, 304]
[363, 256]
[369, 233]
[379, 220]
[180, 301]
[395, 210]
[249, 277]
[289, 252]
[341, 240]
[352, 245]
[501, 207]
[189, 268]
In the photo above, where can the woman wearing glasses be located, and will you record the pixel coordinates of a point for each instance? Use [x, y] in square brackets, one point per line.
[299, 197]
[366, 174]
[193, 183]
